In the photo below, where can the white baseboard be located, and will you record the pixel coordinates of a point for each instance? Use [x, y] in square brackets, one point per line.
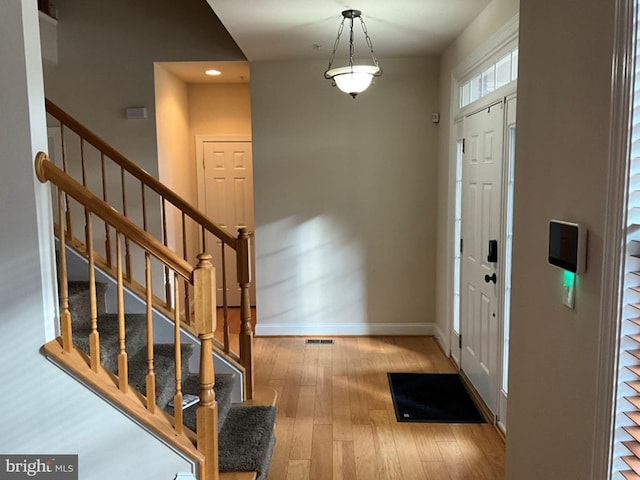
[441, 338]
[289, 329]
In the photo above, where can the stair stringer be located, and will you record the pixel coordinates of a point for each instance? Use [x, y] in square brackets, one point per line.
[131, 405]
[163, 327]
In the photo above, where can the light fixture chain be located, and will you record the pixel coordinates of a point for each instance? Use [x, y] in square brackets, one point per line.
[369, 43]
[335, 45]
[351, 43]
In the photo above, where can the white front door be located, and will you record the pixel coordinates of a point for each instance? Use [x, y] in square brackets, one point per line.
[228, 201]
[481, 250]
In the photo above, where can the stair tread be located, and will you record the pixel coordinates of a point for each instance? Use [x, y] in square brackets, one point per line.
[246, 433]
[163, 363]
[135, 336]
[79, 305]
[223, 388]
[246, 439]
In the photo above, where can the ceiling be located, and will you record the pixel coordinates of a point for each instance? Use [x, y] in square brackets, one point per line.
[306, 29]
[272, 30]
[193, 72]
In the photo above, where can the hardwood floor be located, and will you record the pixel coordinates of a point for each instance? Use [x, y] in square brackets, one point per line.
[336, 418]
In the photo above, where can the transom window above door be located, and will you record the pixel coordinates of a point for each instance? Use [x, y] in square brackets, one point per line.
[497, 75]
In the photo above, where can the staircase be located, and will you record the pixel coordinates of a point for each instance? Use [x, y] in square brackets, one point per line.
[246, 438]
[114, 354]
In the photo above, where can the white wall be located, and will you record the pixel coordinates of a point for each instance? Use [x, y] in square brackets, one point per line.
[44, 411]
[492, 18]
[345, 194]
[564, 100]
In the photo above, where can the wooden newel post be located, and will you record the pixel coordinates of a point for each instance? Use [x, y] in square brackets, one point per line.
[207, 412]
[246, 332]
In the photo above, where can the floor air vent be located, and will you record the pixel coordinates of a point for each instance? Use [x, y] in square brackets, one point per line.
[319, 340]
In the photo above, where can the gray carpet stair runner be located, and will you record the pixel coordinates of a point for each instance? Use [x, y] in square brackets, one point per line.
[245, 433]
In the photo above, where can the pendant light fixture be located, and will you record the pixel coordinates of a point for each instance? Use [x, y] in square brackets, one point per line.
[352, 79]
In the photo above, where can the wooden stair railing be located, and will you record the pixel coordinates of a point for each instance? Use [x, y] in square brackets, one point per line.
[201, 278]
[94, 160]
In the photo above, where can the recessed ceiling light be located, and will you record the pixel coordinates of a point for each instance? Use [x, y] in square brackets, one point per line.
[213, 72]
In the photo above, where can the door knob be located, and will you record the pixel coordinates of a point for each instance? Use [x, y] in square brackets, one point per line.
[491, 278]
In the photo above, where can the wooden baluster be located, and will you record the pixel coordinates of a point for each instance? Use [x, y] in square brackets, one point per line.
[144, 207]
[225, 305]
[184, 237]
[123, 366]
[65, 168]
[107, 230]
[207, 412]
[127, 254]
[151, 374]
[243, 261]
[187, 303]
[177, 399]
[167, 277]
[94, 337]
[82, 163]
[65, 315]
[123, 192]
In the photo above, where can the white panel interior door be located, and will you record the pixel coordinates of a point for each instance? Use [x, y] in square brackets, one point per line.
[481, 223]
[228, 201]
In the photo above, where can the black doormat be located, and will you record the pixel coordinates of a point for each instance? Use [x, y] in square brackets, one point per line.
[432, 397]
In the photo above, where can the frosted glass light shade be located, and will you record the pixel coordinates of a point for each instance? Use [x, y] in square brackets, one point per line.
[353, 79]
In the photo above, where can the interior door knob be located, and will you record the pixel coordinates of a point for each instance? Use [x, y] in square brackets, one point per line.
[491, 278]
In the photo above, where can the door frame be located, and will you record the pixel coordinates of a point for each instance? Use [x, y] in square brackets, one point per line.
[504, 40]
[504, 272]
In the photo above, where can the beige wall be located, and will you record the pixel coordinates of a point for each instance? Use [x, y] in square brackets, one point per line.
[492, 18]
[345, 194]
[106, 56]
[183, 112]
[221, 110]
[172, 123]
[172, 120]
[562, 143]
